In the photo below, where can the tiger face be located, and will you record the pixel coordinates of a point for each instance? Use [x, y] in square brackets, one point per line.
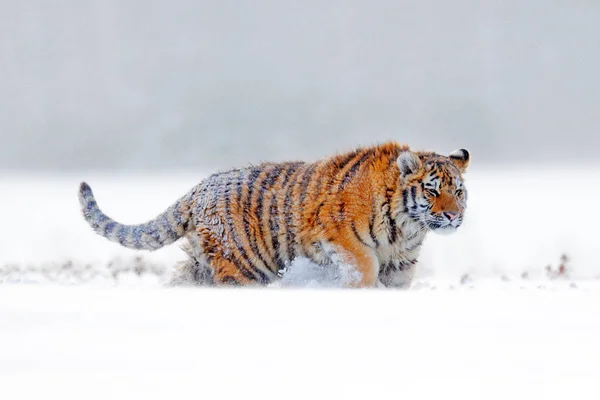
[433, 191]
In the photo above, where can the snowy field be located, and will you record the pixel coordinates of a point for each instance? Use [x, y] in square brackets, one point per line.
[491, 315]
[149, 343]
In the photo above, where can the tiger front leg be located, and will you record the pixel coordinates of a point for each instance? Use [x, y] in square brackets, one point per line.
[355, 255]
[397, 275]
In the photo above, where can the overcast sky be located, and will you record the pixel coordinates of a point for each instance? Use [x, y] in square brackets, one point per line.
[138, 84]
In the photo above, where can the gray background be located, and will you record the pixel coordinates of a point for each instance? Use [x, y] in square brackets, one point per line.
[148, 85]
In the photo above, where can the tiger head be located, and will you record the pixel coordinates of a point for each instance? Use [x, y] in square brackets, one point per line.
[433, 191]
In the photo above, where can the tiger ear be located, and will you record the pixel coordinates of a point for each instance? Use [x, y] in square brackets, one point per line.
[408, 162]
[460, 158]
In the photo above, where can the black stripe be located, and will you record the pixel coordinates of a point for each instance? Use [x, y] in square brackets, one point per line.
[318, 187]
[404, 266]
[305, 183]
[164, 222]
[342, 211]
[136, 233]
[405, 199]
[266, 185]
[238, 188]
[386, 267]
[208, 253]
[262, 276]
[354, 168]
[357, 234]
[392, 234]
[413, 195]
[288, 218]
[231, 227]
[238, 263]
[230, 280]
[247, 211]
[122, 235]
[292, 168]
[321, 204]
[434, 225]
[341, 161]
[413, 236]
[317, 212]
[347, 176]
[109, 228]
[221, 173]
[371, 233]
[340, 164]
[91, 208]
[273, 221]
[397, 265]
[274, 228]
[414, 246]
[154, 231]
[101, 218]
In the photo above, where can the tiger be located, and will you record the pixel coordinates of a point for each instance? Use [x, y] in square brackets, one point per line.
[369, 208]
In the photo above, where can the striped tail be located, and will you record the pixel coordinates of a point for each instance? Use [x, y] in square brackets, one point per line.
[152, 235]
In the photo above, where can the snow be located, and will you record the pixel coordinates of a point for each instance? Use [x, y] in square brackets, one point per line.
[151, 343]
[83, 317]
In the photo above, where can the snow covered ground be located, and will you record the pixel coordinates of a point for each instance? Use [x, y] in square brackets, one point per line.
[150, 343]
[84, 318]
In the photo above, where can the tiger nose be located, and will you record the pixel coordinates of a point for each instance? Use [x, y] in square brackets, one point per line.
[451, 215]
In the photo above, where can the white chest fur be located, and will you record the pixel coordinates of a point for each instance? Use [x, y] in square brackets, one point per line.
[405, 250]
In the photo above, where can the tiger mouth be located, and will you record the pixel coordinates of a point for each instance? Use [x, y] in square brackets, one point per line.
[436, 226]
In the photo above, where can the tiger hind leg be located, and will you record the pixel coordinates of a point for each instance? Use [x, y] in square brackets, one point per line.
[194, 271]
[225, 273]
